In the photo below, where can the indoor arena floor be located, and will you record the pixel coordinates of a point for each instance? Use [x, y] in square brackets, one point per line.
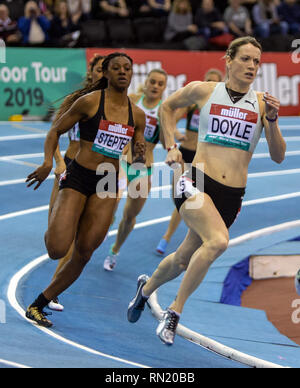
[93, 331]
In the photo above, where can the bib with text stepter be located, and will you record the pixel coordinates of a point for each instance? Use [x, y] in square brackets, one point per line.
[112, 138]
[231, 126]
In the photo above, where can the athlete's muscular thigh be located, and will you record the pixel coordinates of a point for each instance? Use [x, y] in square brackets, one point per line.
[94, 224]
[64, 218]
[201, 215]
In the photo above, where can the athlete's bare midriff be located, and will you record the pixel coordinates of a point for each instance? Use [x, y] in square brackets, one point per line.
[226, 165]
[91, 159]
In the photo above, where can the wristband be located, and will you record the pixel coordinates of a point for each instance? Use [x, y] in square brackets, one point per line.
[272, 120]
[172, 148]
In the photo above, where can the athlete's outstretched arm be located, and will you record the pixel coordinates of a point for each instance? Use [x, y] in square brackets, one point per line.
[77, 112]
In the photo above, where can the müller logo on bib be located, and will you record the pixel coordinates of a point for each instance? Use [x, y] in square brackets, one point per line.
[231, 126]
[112, 138]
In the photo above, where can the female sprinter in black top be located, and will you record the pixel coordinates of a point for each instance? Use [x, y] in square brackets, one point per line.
[88, 191]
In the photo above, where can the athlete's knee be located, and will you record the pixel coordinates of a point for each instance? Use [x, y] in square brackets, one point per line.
[129, 218]
[218, 244]
[181, 260]
[56, 249]
[55, 253]
[84, 253]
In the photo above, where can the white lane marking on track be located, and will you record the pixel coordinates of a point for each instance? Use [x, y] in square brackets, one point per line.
[11, 295]
[251, 175]
[14, 364]
[18, 181]
[215, 346]
[23, 137]
[41, 155]
[14, 282]
[158, 220]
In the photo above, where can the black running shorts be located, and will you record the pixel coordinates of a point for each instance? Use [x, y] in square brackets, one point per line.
[227, 200]
[87, 182]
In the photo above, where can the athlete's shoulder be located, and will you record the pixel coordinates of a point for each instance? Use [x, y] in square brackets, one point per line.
[200, 88]
[135, 97]
[138, 113]
[91, 97]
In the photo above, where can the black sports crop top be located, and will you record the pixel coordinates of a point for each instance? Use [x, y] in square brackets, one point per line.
[89, 129]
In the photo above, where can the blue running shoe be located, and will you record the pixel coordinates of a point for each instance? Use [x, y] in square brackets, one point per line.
[161, 247]
[137, 305]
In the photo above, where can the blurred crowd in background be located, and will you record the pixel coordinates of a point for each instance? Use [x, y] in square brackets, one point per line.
[165, 24]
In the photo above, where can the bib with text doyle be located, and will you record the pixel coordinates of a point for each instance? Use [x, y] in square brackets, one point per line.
[231, 126]
[151, 126]
[112, 138]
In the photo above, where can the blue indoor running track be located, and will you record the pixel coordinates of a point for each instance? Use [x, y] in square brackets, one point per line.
[93, 331]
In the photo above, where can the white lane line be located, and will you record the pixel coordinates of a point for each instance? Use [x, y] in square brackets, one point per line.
[12, 298]
[274, 173]
[215, 346]
[18, 181]
[157, 220]
[203, 341]
[14, 364]
[24, 212]
[267, 155]
[22, 156]
[20, 162]
[23, 137]
[156, 164]
[251, 175]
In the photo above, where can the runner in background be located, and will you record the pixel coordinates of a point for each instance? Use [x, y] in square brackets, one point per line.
[188, 149]
[149, 100]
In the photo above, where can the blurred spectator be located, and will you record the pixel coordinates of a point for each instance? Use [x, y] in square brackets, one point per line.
[46, 9]
[62, 26]
[34, 26]
[209, 20]
[8, 29]
[238, 19]
[160, 7]
[79, 9]
[266, 19]
[139, 8]
[180, 22]
[16, 8]
[289, 11]
[113, 9]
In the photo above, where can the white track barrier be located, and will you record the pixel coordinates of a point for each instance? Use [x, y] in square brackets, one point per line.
[210, 344]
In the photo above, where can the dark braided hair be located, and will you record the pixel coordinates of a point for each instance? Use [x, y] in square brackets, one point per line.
[90, 87]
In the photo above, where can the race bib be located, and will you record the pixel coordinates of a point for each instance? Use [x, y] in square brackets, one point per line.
[185, 185]
[112, 138]
[74, 134]
[231, 127]
[151, 125]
